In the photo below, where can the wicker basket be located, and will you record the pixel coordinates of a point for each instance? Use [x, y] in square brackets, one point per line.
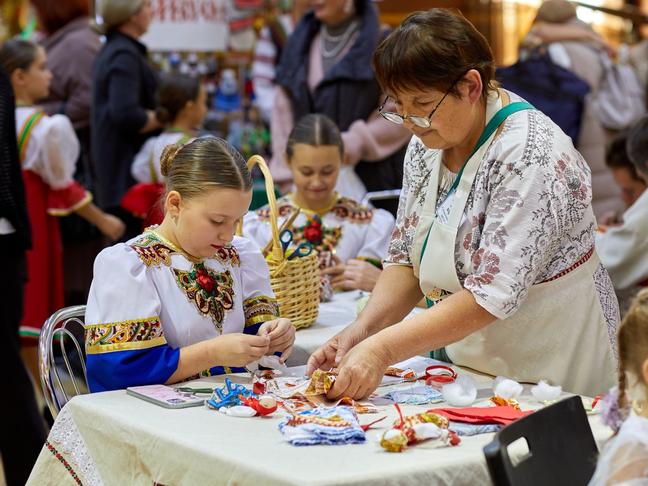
[296, 282]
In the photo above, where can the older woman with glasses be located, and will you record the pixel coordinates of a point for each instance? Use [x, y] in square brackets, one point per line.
[495, 230]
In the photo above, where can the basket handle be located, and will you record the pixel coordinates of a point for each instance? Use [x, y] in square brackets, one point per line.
[276, 252]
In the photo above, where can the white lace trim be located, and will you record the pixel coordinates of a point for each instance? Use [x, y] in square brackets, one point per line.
[66, 438]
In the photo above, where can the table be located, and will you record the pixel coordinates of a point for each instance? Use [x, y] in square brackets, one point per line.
[332, 318]
[114, 439]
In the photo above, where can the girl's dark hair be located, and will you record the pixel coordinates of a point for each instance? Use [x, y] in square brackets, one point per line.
[433, 49]
[202, 164]
[17, 54]
[175, 91]
[315, 130]
[637, 146]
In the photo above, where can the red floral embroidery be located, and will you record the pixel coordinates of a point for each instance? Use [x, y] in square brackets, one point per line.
[313, 231]
[205, 281]
[489, 264]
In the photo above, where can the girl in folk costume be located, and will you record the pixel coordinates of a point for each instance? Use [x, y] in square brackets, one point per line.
[183, 105]
[352, 239]
[624, 460]
[48, 150]
[192, 297]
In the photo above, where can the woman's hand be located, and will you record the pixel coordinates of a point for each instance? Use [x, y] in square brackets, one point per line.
[360, 372]
[282, 336]
[238, 349]
[111, 226]
[355, 274]
[331, 353]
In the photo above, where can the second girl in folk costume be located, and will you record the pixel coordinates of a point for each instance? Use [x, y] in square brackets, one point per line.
[352, 237]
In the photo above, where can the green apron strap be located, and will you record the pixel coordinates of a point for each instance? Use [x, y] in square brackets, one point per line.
[491, 127]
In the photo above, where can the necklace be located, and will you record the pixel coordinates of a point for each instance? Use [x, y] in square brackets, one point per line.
[339, 41]
[321, 211]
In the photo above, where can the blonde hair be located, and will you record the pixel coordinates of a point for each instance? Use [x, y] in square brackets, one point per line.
[633, 342]
[203, 164]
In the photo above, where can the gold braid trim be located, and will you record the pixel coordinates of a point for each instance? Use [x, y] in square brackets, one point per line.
[260, 309]
[124, 335]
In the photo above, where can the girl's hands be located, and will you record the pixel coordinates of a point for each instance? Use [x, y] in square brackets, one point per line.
[282, 336]
[238, 349]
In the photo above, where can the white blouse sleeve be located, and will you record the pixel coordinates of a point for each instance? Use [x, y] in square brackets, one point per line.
[377, 237]
[259, 304]
[141, 167]
[58, 151]
[125, 342]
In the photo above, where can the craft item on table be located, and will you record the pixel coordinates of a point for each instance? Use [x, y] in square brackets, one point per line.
[287, 387]
[545, 393]
[439, 375]
[593, 406]
[359, 407]
[415, 395]
[264, 405]
[260, 379]
[506, 392]
[417, 428]
[461, 393]
[418, 364]
[501, 415]
[228, 396]
[238, 411]
[505, 402]
[465, 430]
[320, 383]
[406, 374]
[323, 426]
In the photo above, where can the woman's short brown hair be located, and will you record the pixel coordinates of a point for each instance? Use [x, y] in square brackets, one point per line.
[433, 49]
[54, 15]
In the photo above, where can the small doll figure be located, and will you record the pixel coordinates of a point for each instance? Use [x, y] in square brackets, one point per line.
[417, 428]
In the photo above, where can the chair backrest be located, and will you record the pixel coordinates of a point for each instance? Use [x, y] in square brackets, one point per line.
[61, 366]
[561, 448]
[387, 200]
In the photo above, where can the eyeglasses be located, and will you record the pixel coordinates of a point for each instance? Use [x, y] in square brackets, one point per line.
[419, 121]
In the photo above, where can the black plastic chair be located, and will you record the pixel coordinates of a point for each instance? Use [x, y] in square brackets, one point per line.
[561, 448]
[387, 200]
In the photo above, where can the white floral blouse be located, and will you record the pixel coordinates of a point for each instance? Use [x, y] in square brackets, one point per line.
[528, 218]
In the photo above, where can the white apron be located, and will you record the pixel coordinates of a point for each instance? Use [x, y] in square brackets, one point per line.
[559, 333]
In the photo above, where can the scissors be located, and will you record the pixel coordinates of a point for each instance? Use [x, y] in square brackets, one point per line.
[302, 250]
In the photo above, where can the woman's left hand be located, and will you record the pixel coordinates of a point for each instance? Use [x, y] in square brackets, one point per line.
[282, 336]
[360, 372]
[356, 274]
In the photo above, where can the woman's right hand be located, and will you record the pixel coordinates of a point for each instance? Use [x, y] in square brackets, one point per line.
[239, 349]
[331, 353]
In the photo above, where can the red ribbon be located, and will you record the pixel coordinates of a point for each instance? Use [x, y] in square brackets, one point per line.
[438, 375]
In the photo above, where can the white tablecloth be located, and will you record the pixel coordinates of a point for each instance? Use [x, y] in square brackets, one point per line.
[115, 439]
